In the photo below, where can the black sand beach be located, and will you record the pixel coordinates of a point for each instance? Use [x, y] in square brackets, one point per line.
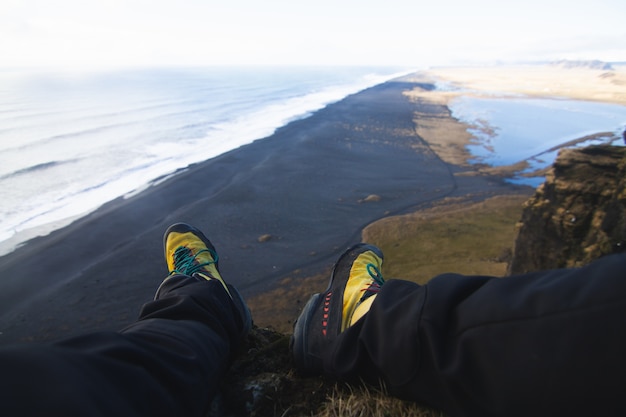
[304, 190]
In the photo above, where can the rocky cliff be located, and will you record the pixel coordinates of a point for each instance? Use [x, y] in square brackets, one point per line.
[578, 214]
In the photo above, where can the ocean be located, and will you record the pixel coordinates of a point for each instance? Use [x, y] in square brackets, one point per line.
[72, 142]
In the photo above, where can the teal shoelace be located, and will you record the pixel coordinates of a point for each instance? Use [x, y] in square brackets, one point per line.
[375, 286]
[187, 264]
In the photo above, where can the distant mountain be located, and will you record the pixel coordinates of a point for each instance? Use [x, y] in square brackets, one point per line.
[591, 64]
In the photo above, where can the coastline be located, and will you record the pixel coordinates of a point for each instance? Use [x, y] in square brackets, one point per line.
[281, 207]
[449, 137]
[306, 187]
[61, 168]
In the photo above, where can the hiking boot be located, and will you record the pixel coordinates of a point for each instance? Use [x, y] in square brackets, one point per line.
[189, 252]
[354, 282]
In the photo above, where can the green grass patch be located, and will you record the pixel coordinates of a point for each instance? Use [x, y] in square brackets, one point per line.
[467, 238]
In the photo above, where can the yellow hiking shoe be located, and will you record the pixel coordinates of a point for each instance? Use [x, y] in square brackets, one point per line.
[354, 282]
[189, 252]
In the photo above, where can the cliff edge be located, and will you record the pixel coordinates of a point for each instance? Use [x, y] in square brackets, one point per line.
[577, 215]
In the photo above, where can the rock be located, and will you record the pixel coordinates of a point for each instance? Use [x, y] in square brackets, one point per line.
[264, 238]
[578, 214]
[372, 198]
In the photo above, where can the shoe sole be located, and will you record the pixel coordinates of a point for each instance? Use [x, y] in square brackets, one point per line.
[306, 363]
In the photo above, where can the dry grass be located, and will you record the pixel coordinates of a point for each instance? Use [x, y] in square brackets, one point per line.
[349, 401]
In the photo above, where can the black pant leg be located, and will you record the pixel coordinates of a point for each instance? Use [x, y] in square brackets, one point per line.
[167, 364]
[543, 344]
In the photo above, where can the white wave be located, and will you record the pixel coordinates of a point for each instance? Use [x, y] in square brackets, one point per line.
[90, 150]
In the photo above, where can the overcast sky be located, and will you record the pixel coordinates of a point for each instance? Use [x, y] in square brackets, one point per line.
[111, 33]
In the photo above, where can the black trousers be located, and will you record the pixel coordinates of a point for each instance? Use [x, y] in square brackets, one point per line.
[544, 344]
[169, 363]
[549, 343]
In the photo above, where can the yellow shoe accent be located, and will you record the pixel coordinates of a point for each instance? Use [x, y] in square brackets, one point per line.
[361, 309]
[365, 280]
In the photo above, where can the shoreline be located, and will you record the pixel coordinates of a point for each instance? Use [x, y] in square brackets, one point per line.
[484, 82]
[306, 187]
[218, 123]
[283, 206]
[449, 137]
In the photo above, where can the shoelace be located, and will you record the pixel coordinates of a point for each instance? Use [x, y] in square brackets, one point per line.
[376, 284]
[185, 263]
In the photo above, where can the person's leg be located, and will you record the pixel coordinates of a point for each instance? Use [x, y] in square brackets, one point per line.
[548, 343]
[167, 363]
